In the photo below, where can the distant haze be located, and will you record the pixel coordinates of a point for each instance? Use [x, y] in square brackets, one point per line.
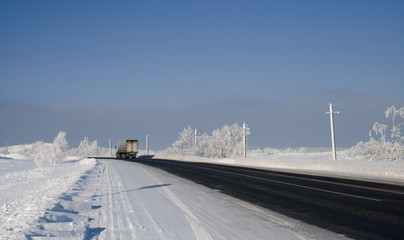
[125, 69]
[273, 124]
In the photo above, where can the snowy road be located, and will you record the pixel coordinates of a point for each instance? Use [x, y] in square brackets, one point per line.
[114, 199]
[356, 208]
[134, 201]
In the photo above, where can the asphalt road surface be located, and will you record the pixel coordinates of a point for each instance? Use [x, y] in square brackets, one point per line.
[357, 209]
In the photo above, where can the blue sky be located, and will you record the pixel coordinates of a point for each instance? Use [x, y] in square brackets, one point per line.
[122, 69]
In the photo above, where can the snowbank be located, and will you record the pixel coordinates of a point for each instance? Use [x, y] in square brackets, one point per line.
[27, 191]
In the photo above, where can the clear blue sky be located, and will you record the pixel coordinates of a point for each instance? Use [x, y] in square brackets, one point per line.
[122, 69]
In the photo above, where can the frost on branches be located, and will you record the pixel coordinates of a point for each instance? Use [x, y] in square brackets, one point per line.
[222, 143]
[183, 145]
[384, 144]
[47, 154]
[88, 149]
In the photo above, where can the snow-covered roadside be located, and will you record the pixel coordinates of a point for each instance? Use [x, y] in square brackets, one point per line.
[27, 191]
[320, 163]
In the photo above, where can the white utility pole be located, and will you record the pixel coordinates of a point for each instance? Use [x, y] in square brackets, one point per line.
[331, 112]
[110, 146]
[147, 144]
[196, 132]
[245, 140]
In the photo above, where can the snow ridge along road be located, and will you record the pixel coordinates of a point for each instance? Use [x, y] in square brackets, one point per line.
[26, 193]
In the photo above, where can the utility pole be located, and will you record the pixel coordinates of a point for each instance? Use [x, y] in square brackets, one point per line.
[196, 132]
[110, 147]
[331, 112]
[147, 144]
[245, 140]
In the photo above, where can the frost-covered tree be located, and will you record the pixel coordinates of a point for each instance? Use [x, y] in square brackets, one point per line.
[184, 143]
[46, 154]
[379, 129]
[396, 128]
[88, 149]
[203, 146]
[60, 147]
[380, 146]
[222, 143]
[227, 142]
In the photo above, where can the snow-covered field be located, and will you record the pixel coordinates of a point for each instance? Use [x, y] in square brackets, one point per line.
[110, 199]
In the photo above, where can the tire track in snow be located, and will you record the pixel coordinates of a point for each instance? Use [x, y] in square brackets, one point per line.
[109, 217]
[145, 212]
[194, 222]
[115, 211]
